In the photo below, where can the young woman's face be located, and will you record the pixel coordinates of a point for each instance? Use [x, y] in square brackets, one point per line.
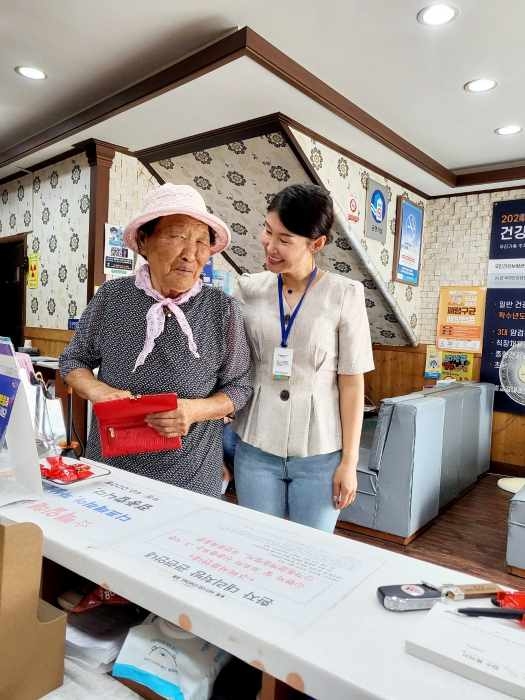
[286, 251]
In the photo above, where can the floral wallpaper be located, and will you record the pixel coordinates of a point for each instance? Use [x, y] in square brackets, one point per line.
[239, 179]
[59, 235]
[343, 177]
[16, 207]
[52, 207]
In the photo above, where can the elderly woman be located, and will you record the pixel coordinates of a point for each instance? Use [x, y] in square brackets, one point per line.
[163, 331]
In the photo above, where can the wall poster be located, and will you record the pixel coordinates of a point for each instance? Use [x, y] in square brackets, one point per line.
[118, 260]
[507, 245]
[460, 318]
[409, 236]
[503, 360]
[376, 211]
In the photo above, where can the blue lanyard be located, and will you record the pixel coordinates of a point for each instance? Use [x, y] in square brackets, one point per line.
[287, 327]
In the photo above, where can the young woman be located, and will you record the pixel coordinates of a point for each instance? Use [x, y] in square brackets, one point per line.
[310, 341]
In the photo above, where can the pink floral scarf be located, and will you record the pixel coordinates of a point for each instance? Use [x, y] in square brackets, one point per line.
[155, 317]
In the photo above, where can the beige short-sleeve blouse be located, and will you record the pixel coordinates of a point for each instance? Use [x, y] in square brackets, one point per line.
[299, 416]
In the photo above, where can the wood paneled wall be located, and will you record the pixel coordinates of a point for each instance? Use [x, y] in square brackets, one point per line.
[49, 341]
[399, 370]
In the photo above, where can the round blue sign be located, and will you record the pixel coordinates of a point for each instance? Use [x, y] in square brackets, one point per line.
[378, 206]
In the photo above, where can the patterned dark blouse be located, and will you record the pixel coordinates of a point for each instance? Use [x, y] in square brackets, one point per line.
[110, 336]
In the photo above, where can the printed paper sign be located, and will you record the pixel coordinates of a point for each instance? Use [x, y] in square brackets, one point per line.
[118, 259]
[33, 273]
[228, 556]
[460, 318]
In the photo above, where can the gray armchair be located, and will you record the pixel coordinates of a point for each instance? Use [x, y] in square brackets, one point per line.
[422, 451]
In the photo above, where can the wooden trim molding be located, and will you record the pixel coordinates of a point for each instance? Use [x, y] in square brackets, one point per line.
[483, 177]
[287, 122]
[507, 469]
[100, 157]
[516, 571]
[49, 341]
[293, 73]
[152, 171]
[49, 333]
[221, 52]
[71, 153]
[161, 181]
[210, 139]
[246, 42]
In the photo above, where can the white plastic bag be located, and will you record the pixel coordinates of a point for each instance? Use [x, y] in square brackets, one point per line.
[171, 662]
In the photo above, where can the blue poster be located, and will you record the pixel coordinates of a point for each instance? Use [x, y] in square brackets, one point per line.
[410, 223]
[503, 359]
[507, 239]
[8, 389]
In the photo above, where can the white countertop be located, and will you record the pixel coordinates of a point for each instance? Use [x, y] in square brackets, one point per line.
[330, 632]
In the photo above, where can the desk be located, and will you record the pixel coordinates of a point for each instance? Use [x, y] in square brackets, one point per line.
[336, 646]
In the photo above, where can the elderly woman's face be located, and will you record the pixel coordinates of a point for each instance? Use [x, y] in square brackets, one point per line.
[176, 251]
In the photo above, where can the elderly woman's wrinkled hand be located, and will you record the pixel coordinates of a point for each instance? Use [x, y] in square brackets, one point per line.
[175, 423]
[104, 392]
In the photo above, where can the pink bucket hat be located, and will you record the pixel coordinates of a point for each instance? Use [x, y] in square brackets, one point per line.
[177, 199]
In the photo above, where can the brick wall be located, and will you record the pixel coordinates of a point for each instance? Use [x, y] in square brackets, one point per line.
[455, 248]
[129, 182]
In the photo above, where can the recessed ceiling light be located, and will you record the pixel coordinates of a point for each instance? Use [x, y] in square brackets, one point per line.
[439, 13]
[480, 85]
[508, 130]
[31, 72]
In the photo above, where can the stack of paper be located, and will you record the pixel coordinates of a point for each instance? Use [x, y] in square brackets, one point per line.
[490, 651]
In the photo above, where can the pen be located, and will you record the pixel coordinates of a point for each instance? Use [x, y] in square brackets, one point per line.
[508, 613]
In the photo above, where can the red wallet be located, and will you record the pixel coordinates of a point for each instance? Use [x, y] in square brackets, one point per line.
[122, 428]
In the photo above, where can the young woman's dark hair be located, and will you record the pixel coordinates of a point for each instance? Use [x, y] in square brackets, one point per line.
[149, 227]
[306, 210]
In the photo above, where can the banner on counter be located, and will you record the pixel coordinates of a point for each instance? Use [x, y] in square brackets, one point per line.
[504, 329]
[460, 318]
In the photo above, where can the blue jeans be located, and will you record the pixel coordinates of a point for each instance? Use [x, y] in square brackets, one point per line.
[297, 488]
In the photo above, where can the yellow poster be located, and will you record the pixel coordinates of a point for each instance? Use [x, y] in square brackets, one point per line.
[460, 318]
[33, 272]
[457, 365]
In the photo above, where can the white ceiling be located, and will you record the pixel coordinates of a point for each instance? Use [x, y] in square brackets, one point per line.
[408, 76]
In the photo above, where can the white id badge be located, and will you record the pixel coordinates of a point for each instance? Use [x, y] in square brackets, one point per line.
[282, 363]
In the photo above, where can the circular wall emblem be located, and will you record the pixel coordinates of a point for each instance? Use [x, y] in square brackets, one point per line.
[378, 206]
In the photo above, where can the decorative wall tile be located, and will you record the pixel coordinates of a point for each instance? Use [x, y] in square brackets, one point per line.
[265, 165]
[60, 214]
[16, 206]
[342, 177]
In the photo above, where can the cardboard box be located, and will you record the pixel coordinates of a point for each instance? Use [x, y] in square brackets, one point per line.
[32, 632]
